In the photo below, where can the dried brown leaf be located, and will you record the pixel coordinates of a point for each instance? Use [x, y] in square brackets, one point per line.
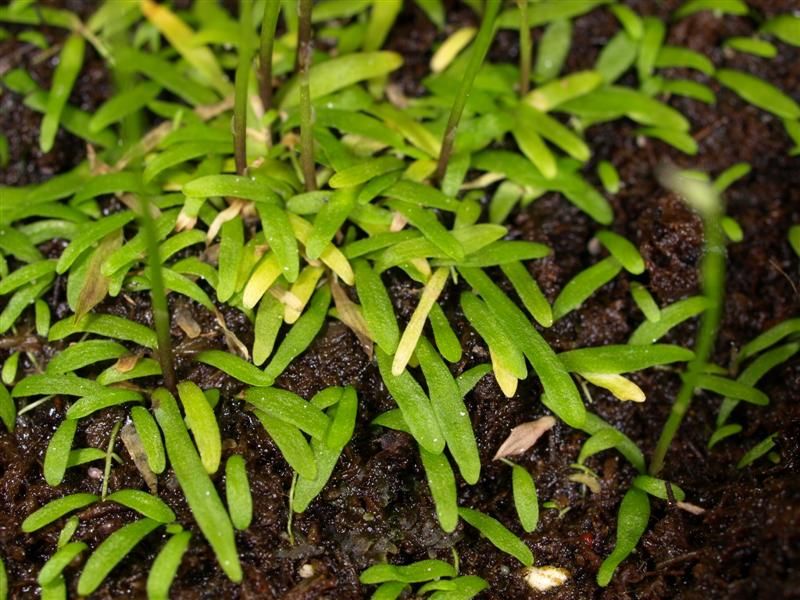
[524, 436]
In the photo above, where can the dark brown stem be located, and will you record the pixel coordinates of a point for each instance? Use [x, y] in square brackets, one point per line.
[304, 49]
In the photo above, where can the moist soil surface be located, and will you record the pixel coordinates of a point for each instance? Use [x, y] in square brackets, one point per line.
[377, 505]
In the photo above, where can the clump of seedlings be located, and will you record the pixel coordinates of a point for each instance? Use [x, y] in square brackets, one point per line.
[288, 195]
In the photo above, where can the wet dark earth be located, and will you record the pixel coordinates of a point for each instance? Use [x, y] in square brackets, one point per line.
[377, 505]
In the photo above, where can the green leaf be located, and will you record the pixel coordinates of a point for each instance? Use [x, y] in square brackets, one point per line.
[447, 342]
[253, 188]
[431, 228]
[111, 552]
[235, 367]
[785, 27]
[729, 388]
[442, 484]
[26, 274]
[145, 504]
[424, 570]
[617, 56]
[556, 93]
[21, 299]
[237, 492]
[677, 139]
[300, 335]
[723, 432]
[123, 104]
[680, 57]
[751, 45]
[150, 436]
[561, 395]
[497, 533]
[689, 89]
[181, 37]
[365, 171]
[623, 358]
[658, 488]
[55, 509]
[634, 514]
[757, 451]
[546, 11]
[584, 284]
[230, 257]
[553, 50]
[421, 195]
[203, 423]
[197, 487]
[613, 102]
[759, 93]
[57, 454]
[165, 566]
[376, 307]
[525, 499]
[650, 46]
[17, 244]
[268, 322]
[341, 428]
[91, 235]
[338, 73]
[292, 445]
[450, 411]
[58, 562]
[414, 404]
[730, 7]
[8, 410]
[649, 332]
[69, 66]
[330, 219]
[623, 250]
[181, 153]
[281, 238]
[82, 354]
[290, 408]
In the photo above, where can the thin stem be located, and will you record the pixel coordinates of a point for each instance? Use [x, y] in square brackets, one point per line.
[242, 79]
[479, 49]
[268, 25]
[525, 48]
[158, 298]
[713, 274]
[304, 48]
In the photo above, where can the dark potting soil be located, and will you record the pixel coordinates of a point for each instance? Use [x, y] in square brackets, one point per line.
[377, 505]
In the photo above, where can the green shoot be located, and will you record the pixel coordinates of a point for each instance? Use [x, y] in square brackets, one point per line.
[479, 50]
[634, 514]
[268, 25]
[703, 197]
[241, 84]
[304, 52]
[498, 535]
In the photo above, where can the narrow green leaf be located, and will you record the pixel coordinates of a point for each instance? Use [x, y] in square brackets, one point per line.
[197, 487]
[235, 367]
[281, 238]
[497, 533]
[57, 454]
[442, 484]
[584, 284]
[202, 421]
[525, 499]
[89, 352]
[123, 104]
[634, 514]
[237, 492]
[111, 552]
[659, 488]
[55, 509]
[230, 257]
[424, 570]
[340, 72]
[719, 7]
[623, 358]
[450, 411]
[69, 66]
[376, 307]
[723, 432]
[268, 322]
[447, 342]
[58, 562]
[760, 93]
[291, 408]
[677, 139]
[650, 332]
[165, 566]
[145, 504]
[330, 219]
[292, 445]
[300, 335]
[757, 451]
[150, 436]
[617, 56]
[785, 27]
[751, 45]
[8, 409]
[623, 250]
[91, 235]
[680, 57]
[729, 388]
[553, 49]
[414, 404]
[561, 395]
